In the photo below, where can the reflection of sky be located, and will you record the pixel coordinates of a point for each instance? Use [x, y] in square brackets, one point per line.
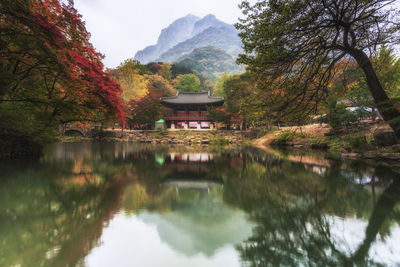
[128, 241]
[349, 233]
[190, 235]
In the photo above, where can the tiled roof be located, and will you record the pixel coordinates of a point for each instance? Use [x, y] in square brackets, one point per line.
[192, 98]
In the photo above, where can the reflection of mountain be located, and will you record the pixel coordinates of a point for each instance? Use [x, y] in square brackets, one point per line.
[203, 227]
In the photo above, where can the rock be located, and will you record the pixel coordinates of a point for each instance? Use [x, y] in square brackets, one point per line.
[298, 146]
[384, 137]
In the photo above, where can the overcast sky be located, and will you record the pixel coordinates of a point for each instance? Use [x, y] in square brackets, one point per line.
[120, 28]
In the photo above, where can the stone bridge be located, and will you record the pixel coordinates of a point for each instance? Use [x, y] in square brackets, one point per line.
[73, 131]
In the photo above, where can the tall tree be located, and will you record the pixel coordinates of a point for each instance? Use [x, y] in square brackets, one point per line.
[49, 69]
[133, 84]
[238, 89]
[165, 71]
[296, 44]
[219, 85]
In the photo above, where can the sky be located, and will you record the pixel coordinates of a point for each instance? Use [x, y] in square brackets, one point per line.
[119, 28]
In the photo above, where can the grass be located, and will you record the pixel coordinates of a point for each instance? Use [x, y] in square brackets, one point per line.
[219, 141]
[286, 136]
[350, 142]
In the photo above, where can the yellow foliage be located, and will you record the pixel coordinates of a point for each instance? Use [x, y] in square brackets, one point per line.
[133, 85]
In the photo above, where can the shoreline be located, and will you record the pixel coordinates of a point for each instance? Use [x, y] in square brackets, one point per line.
[380, 156]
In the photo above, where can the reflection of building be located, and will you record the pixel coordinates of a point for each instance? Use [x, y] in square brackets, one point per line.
[190, 171]
[191, 157]
[189, 110]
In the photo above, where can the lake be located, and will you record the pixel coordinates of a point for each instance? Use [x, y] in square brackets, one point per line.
[124, 204]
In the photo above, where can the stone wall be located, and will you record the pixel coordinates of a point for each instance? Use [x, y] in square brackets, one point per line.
[178, 137]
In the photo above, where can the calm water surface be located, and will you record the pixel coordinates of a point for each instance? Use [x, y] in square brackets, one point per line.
[123, 204]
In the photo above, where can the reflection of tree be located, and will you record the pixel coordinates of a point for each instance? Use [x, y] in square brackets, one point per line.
[294, 209]
[383, 211]
[53, 215]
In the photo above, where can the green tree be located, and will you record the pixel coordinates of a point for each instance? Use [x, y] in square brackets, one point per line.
[237, 91]
[387, 67]
[219, 85]
[295, 45]
[187, 83]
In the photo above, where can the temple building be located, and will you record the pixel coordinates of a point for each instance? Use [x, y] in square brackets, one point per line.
[189, 110]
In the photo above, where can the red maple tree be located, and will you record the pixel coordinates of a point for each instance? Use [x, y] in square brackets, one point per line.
[49, 61]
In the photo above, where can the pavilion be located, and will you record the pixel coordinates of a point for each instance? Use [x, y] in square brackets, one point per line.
[189, 110]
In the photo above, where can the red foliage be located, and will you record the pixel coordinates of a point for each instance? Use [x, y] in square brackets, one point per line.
[146, 109]
[154, 67]
[64, 51]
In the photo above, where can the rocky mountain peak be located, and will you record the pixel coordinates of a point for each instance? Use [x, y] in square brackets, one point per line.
[188, 33]
[178, 31]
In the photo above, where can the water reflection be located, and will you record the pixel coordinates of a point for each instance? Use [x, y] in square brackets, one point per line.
[102, 204]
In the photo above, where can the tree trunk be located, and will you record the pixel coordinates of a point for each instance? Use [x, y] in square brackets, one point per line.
[385, 107]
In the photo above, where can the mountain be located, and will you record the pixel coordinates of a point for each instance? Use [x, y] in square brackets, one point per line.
[179, 31]
[225, 38]
[207, 22]
[210, 62]
[193, 33]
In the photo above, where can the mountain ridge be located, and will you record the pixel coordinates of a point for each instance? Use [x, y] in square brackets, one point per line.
[178, 31]
[188, 33]
[210, 62]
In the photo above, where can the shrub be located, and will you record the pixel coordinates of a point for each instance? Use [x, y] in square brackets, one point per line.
[161, 132]
[338, 116]
[219, 141]
[356, 140]
[318, 141]
[336, 145]
[286, 136]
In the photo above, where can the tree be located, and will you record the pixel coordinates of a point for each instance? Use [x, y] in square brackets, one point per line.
[237, 89]
[49, 69]
[147, 109]
[133, 84]
[388, 71]
[165, 71]
[187, 83]
[219, 85]
[208, 85]
[163, 85]
[220, 115]
[387, 67]
[295, 45]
